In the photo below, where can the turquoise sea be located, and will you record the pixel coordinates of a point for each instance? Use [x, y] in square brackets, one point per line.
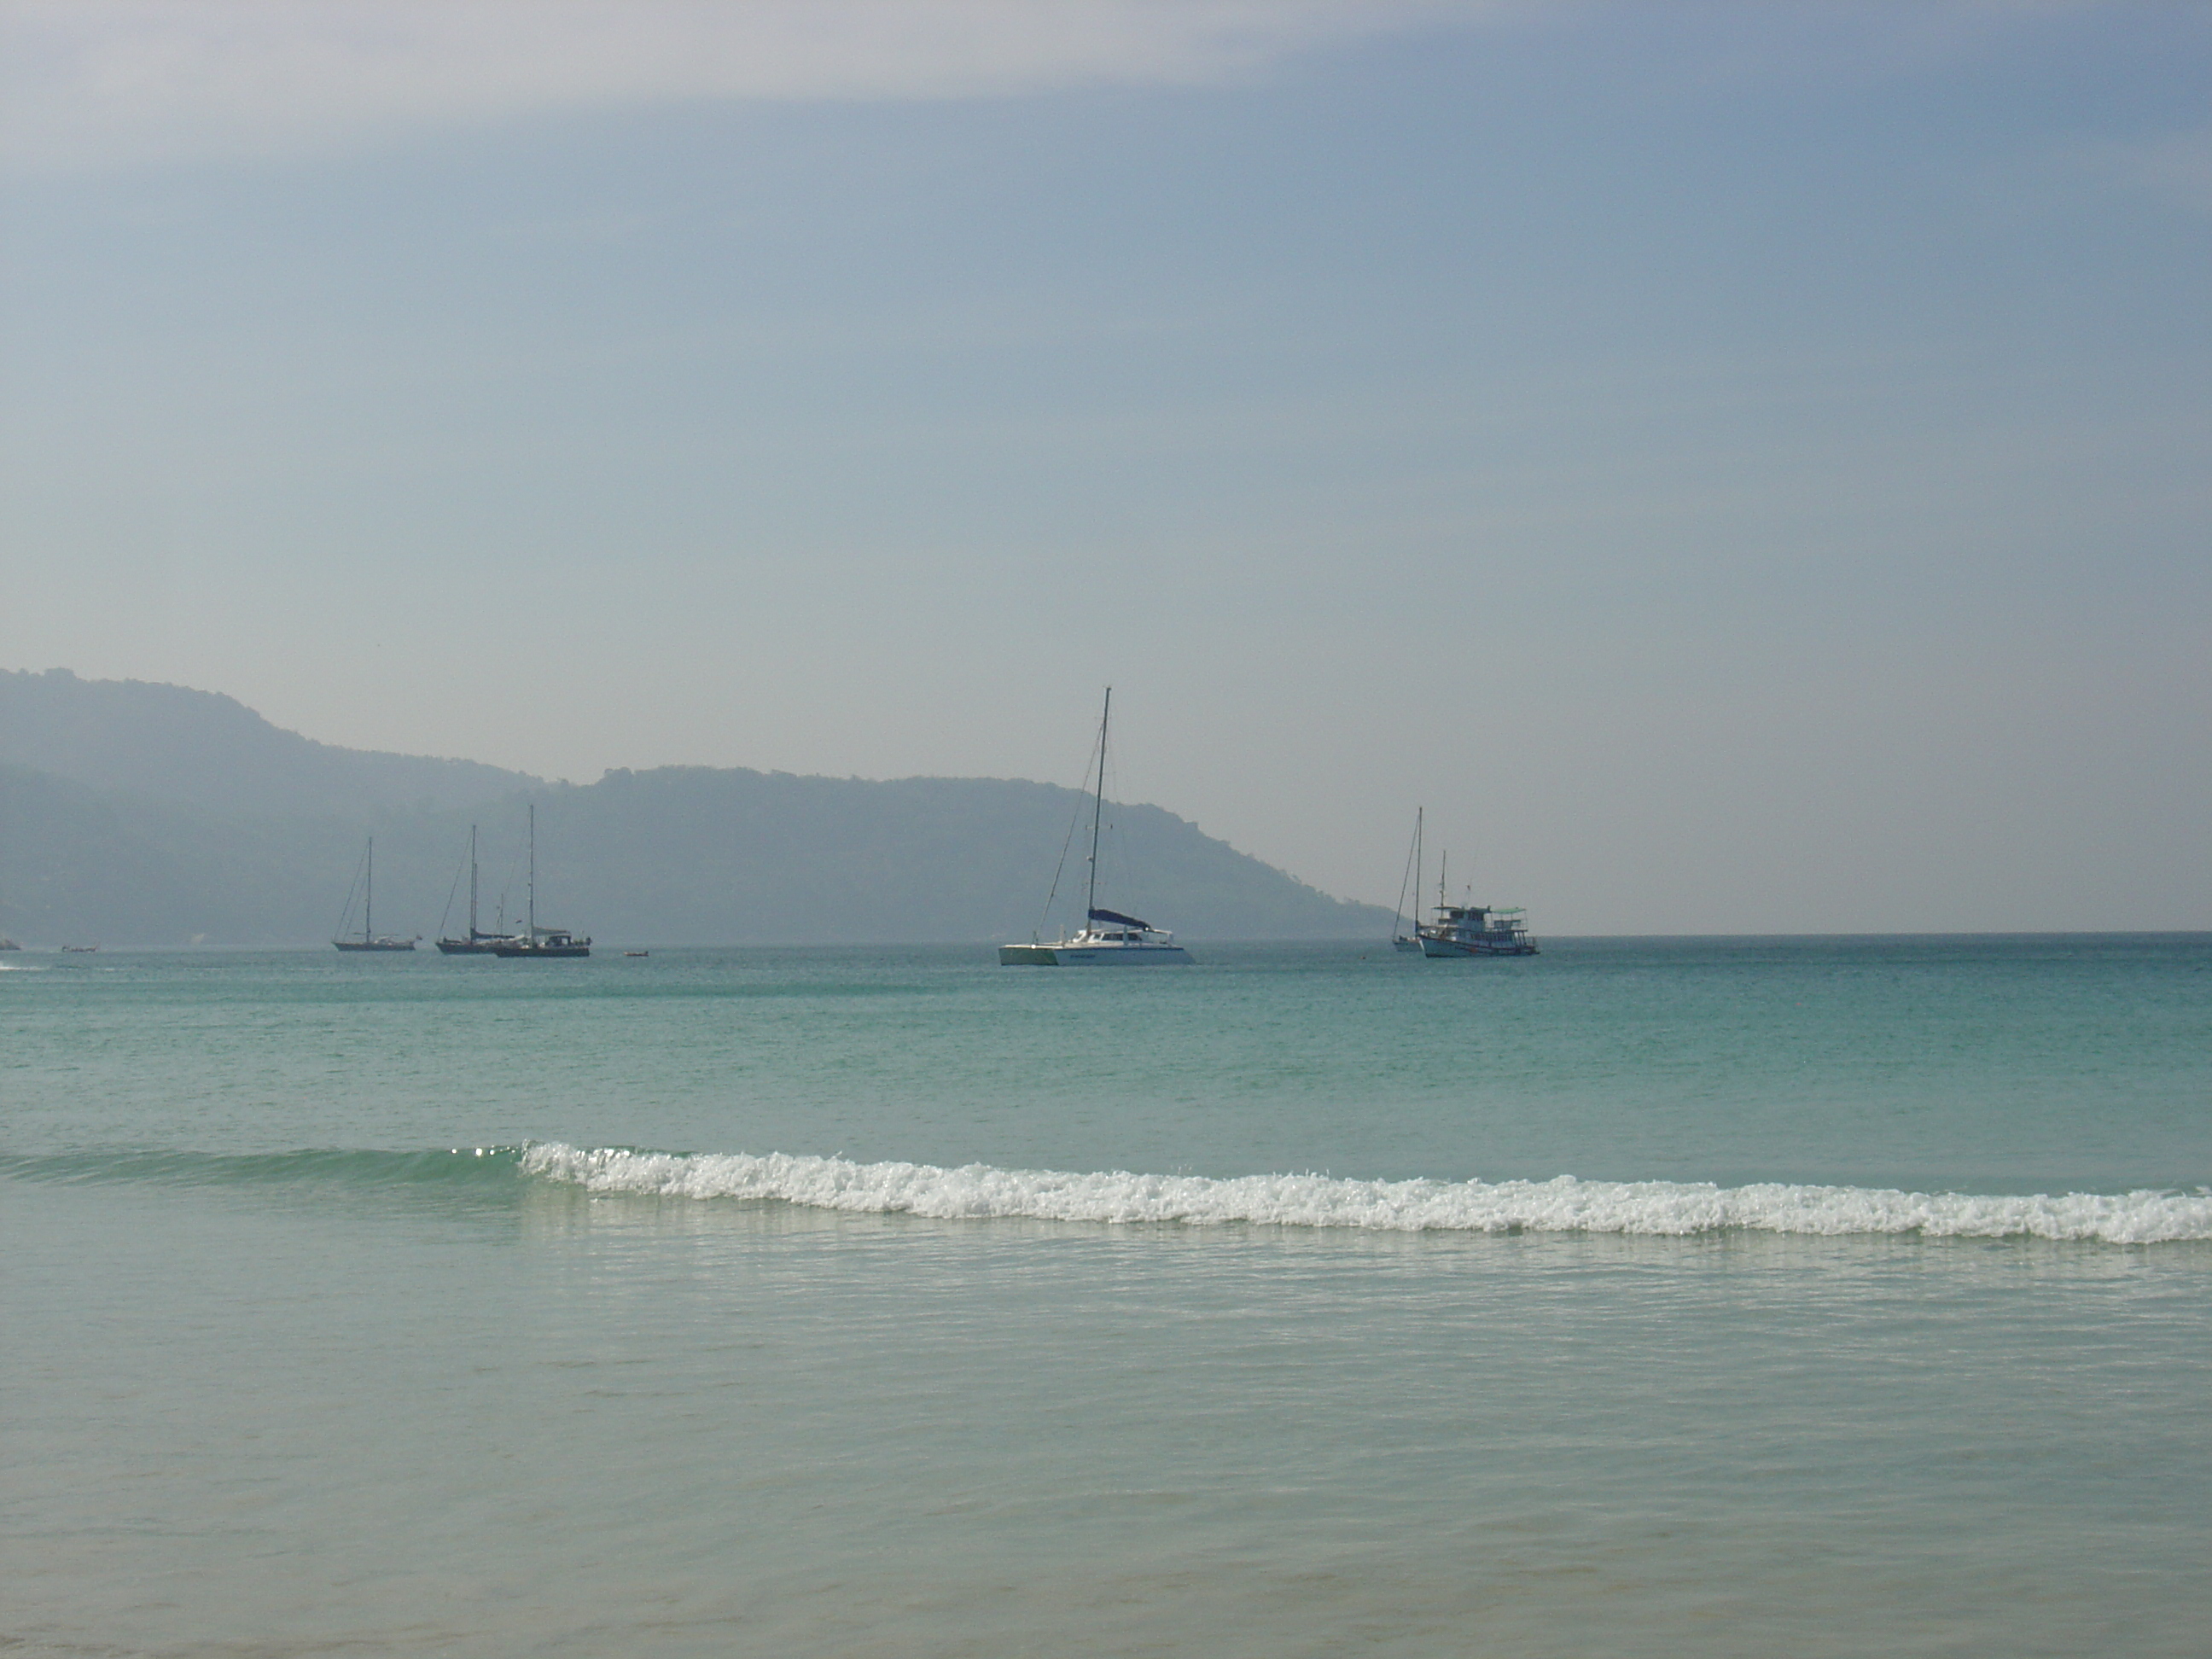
[1658, 1297]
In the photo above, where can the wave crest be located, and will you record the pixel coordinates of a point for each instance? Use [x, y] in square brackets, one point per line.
[1565, 1205]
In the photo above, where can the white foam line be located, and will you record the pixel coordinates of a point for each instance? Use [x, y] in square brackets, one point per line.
[1564, 1205]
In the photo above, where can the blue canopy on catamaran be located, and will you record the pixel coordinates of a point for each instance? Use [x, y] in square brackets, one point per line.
[1115, 915]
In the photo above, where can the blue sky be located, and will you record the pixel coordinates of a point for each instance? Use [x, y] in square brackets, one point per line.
[1740, 468]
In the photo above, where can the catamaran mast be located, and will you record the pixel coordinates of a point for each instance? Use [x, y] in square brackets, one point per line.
[1098, 810]
[472, 883]
[1409, 885]
[369, 896]
[534, 873]
[1417, 871]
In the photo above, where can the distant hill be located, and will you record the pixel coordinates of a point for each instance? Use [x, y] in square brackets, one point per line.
[80, 866]
[138, 814]
[172, 744]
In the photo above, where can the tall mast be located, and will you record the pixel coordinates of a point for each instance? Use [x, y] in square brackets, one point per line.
[533, 872]
[1443, 863]
[1409, 885]
[472, 881]
[369, 896]
[1097, 810]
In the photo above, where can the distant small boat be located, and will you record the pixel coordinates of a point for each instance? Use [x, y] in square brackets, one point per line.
[1473, 930]
[1404, 927]
[370, 940]
[637, 953]
[537, 941]
[79, 950]
[1123, 940]
[475, 943]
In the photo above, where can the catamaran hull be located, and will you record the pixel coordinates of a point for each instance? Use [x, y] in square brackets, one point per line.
[1090, 956]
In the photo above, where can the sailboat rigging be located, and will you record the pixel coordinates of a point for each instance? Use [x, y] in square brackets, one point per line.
[1107, 937]
[370, 940]
[475, 943]
[536, 941]
[1409, 885]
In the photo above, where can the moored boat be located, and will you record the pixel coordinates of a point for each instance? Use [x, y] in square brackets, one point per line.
[1107, 939]
[1112, 939]
[475, 943]
[370, 940]
[544, 942]
[1405, 926]
[1473, 930]
[536, 941]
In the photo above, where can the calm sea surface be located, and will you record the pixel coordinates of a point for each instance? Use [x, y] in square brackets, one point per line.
[1737, 1296]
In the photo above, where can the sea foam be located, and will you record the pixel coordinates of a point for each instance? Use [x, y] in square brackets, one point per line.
[1565, 1205]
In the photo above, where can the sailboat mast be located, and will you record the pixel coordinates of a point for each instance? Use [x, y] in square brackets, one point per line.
[1417, 868]
[532, 899]
[1442, 864]
[369, 896]
[472, 881]
[1097, 810]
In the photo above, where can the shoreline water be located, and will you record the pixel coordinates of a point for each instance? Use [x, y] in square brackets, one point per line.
[539, 1386]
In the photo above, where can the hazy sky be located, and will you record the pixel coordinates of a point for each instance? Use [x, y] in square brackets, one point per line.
[1742, 467]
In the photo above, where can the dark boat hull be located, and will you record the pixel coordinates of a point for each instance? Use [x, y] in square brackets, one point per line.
[469, 947]
[374, 943]
[541, 950]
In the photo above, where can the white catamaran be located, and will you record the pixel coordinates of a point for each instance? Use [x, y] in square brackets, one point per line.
[1107, 937]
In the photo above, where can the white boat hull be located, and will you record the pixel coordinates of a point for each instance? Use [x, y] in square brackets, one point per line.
[1090, 956]
[1444, 947]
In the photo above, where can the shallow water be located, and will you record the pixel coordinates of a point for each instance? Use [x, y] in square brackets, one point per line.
[288, 1371]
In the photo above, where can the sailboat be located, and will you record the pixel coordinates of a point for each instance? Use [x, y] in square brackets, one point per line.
[1107, 937]
[370, 940]
[475, 943]
[1401, 939]
[537, 941]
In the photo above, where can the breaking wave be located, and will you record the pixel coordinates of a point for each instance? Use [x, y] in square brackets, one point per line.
[1562, 1206]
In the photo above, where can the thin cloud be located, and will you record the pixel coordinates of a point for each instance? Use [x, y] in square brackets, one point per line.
[102, 82]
